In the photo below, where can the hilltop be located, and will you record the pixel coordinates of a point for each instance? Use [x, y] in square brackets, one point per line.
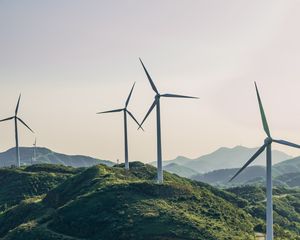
[104, 202]
[27, 182]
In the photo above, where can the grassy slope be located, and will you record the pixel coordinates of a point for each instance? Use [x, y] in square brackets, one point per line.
[24, 183]
[286, 208]
[110, 203]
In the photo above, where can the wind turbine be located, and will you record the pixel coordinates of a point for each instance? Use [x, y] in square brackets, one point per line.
[34, 152]
[156, 104]
[16, 119]
[267, 145]
[125, 111]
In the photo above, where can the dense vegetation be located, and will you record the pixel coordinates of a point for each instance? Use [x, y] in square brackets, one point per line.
[286, 208]
[104, 202]
[26, 182]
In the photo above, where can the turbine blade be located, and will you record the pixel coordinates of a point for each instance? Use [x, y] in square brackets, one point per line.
[177, 96]
[112, 111]
[283, 142]
[18, 103]
[134, 119]
[149, 78]
[128, 99]
[259, 151]
[262, 113]
[6, 119]
[25, 124]
[148, 113]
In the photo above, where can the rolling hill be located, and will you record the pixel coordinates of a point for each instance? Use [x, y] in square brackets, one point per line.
[221, 177]
[284, 173]
[104, 202]
[26, 182]
[289, 166]
[45, 155]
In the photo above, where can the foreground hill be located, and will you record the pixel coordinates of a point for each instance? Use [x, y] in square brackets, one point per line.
[26, 182]
[45, 155]
[229, 157]
[104, 202]
[110, 203]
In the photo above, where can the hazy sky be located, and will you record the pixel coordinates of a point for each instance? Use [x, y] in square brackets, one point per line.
[71, 59]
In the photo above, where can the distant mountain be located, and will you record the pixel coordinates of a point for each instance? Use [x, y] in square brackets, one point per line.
[221, 177]
[227, 158]
[45, 155]
[286, 173]
[180, 160]
[180, 170]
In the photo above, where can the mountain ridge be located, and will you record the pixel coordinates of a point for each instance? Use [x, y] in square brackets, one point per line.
[230, 157]
[45, 155]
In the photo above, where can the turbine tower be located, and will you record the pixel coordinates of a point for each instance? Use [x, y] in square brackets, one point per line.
[34, 152]
[268, 146]
[16, 119]
[156, 104]
[125, 112]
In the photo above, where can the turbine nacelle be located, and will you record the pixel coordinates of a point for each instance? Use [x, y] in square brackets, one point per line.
[16, 118]
[268, 141]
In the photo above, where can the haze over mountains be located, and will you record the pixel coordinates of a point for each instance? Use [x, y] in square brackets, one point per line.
[226, 158]
[215, 168]
[223, 158]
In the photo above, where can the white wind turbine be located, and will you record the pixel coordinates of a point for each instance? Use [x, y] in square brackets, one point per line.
[267, 145]
[156, 104]
[16, 119]
[125, 112]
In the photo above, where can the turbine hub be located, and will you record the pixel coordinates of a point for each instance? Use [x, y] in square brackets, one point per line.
[157, 96]
[268, 140]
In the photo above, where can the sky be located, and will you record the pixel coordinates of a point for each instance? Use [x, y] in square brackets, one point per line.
[73, 58]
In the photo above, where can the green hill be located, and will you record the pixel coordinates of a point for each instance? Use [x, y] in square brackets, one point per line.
[104, 202]
[110, 203]
[289, 166]
[23, 183]
[286, 208]
[289, 179]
